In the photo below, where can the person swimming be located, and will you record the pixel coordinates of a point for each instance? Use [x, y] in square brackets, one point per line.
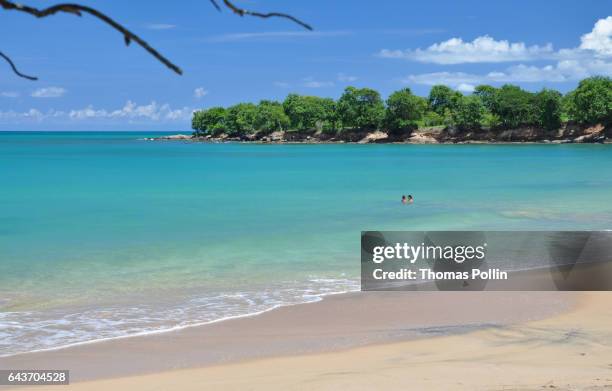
[407, 200]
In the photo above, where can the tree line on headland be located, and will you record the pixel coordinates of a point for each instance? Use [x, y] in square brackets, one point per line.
[361, 110]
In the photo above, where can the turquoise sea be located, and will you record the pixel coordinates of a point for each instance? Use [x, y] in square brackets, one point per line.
[104, 235]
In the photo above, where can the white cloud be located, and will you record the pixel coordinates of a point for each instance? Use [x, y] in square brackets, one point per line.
[318, 84]
[346, 78]
[161, 26]
[199, 93]
[520, 73]
[465, 87]
[130, 112]
[307, 82]
[310, 82]
[9, 94]
[481, 49]
[49, 92]
[153, 112]
[592, 57]
[448, 78]
[563, 71]
[11, 115]
[600, 38]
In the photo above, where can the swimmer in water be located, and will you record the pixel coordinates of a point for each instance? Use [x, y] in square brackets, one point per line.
[404, 199]
[410, 199]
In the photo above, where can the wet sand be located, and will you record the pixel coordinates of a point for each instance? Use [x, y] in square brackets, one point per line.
[337, 323]
[568, 351]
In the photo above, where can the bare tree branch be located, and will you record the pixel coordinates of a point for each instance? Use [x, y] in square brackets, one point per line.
[77, 9]
[242, 12]
[128, 36]
[8, 59]
[216, 5]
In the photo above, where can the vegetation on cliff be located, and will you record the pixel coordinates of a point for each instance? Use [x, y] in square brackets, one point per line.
[361, 110]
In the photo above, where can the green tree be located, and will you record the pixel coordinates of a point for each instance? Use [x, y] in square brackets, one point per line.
[241, 119]
[514, 106]
[591, 102]
[270, 117]
[197, 123]
[431, 118]
[487, 95]
[211, 121]
[361, 108]
[443, 98]
[310, 112]
[404, 110]
[329, 121]
[548, 109]
[468, 112]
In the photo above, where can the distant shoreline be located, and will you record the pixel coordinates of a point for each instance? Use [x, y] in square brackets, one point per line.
[596, 134]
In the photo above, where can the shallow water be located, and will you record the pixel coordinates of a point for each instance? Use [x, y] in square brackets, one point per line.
[105, 235]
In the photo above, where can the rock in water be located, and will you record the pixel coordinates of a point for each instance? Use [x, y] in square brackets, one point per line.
[173, 137]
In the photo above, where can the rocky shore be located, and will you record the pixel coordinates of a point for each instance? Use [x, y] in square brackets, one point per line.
[567, 134]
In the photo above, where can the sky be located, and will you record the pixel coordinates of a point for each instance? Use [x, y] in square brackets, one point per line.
[89, 79]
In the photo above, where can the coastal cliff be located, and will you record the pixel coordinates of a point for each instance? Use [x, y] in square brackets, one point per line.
[568, 133]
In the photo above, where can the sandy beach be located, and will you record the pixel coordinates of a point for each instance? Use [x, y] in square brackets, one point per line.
[363, 340]
[395, 340]
[567, 352]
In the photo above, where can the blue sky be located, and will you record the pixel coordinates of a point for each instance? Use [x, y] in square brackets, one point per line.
[89, 80]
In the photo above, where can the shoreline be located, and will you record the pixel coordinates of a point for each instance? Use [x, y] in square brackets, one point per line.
[467, 142]
[541, 280]
[336, 323]
[174, 328]
[566, 351]
[568, 134]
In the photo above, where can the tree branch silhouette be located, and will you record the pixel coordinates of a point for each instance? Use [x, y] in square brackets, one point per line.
[243, 12]
[10, 62]
[128, 36]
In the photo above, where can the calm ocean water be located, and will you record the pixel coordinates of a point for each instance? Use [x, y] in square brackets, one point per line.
[103, 235]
